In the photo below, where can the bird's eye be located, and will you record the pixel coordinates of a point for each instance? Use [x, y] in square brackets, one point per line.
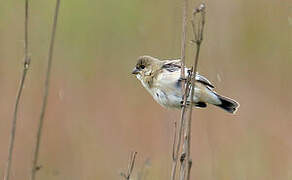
[142, 66]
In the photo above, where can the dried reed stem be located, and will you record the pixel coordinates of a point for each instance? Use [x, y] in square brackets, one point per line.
[198, 22]
[16, 106]
[131, 164]
[177, 138]
[186, 95]
[34, 167]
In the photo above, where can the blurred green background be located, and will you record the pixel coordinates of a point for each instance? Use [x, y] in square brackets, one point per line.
[98, 112]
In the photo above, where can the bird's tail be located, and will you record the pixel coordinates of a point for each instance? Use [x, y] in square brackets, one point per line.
[227, 104]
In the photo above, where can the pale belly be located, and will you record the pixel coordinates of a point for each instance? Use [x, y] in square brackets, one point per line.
[169, 94]
[171, 99]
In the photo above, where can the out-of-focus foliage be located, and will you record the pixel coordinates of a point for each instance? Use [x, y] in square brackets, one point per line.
[98, 112]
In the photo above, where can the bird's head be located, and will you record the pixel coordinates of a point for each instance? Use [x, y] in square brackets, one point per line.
[146, 66]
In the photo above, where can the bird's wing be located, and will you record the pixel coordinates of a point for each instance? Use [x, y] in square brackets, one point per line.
[203, 80]
[171, 65]
[175, 65]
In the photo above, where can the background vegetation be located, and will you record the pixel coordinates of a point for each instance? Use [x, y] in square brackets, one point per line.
[98, 111]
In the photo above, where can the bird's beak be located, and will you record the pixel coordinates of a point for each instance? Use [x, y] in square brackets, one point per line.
[135, 71]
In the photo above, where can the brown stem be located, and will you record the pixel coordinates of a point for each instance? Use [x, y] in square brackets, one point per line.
[177, 138]
[174, 141]
[198, 34]
[19, 93]
[182, 157]
[45, 96]
[130, 166]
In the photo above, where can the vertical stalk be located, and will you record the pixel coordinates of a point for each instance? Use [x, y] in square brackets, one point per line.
[131, 165]
[177, 138]
[198, 29]
[19, 93]
[34, 167]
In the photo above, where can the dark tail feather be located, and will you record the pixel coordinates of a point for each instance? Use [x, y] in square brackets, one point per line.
[228, 104]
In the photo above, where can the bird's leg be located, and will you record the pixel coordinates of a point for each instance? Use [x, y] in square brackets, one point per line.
[190, 72]
[182, 104]
[187, 83]
[182, 79]
[182, 157]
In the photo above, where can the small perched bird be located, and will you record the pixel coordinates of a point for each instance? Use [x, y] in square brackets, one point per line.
[162, 80]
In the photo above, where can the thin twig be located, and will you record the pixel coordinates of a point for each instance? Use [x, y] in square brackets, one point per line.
[45, 96]
[184, 36]
[198, 30]
[177, 139]
[190, 163]
[130, 166]
[19, 93]
[174, 141]
[183, 154]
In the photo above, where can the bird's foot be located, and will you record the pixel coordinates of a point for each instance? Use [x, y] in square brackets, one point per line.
[182, 79]
[182, 104]
[182, 157]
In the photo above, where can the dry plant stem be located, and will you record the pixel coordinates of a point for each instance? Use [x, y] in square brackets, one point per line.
[184, 36]
[19, 93]
[198, 34]
[186, 95]
[45, 96]
[130, 166]
[177, 138]
[174, 140]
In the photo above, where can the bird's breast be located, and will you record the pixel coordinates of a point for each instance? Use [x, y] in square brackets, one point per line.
[160, 96]
[166, 99]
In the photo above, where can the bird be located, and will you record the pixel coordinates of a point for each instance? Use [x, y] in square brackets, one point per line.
[162, 79]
